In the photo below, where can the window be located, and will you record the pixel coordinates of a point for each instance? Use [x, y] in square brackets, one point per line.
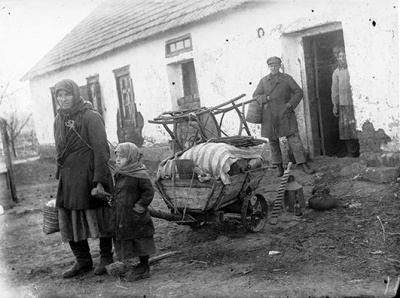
[178, 45]
[126, 97]
[89, 92]
[183, 85]
[94, 93]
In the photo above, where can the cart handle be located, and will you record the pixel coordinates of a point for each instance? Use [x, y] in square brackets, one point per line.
[203, 111]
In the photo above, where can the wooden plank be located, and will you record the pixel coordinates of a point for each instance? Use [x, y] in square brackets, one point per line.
[232, 190]
[191, 198]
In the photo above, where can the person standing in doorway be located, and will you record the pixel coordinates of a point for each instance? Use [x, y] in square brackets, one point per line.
[343, 105]
[82, 164]
[279, 95]
[335, 51]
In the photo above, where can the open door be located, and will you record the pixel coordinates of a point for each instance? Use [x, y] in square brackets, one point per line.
[320, 63]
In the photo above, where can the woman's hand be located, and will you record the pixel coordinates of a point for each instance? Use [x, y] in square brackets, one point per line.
[100, 187]
[335, 110]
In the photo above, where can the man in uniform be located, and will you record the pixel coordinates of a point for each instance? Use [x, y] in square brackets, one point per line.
[279, 95]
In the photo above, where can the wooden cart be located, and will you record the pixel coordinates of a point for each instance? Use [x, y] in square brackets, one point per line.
[192, 202]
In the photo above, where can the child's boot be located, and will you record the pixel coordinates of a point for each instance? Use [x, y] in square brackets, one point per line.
[140, 272]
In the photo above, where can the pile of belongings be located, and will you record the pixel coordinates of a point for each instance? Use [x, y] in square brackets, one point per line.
[321, 198]
[216, 160]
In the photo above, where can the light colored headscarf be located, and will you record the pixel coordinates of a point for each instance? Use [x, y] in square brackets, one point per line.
[133, 167]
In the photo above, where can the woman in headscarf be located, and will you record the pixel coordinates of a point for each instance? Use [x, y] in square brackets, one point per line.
[134, 228]
[343, 106]
[82, 164]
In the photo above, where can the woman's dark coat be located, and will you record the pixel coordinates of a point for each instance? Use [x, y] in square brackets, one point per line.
[80, 168]
[130, 191]
[276, 122]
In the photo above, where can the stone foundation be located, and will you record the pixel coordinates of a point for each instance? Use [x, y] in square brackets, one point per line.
[371, 143]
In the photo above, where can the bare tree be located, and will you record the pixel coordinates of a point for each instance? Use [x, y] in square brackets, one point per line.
[15, 124]
[5, 94]
[10, 91]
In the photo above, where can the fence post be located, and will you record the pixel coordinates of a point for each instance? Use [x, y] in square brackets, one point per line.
[7, 155]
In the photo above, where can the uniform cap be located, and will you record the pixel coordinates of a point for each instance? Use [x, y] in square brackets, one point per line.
[274, 60]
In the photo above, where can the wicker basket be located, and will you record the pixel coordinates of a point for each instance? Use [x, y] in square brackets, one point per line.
[50, 220]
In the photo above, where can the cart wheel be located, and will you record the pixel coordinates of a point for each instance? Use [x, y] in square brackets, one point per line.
[254, 212]
[197, 225]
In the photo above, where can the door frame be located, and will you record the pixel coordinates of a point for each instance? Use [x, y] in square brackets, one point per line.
[292, 44]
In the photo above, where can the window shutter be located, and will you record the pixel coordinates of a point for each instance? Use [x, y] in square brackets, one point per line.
[53, 100]
[94, 93]
[84, 93]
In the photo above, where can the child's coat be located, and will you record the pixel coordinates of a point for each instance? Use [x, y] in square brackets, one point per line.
[128, 223]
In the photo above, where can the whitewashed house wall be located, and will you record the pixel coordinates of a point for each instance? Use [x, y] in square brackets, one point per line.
[230, 58]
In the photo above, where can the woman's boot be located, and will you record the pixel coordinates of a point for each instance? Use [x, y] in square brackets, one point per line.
[83, 262]
[106, 255]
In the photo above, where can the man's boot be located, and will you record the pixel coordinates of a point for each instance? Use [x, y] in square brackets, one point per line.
[306, 169]
[106, 255]
[279, 170]
[83, 262]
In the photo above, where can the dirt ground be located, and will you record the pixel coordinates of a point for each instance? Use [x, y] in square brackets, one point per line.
[350, 251]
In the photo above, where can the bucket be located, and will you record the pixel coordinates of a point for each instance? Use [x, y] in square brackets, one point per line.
[254, 112]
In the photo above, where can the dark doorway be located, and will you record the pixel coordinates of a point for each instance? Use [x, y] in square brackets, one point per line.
[189, 79]
[320, 64]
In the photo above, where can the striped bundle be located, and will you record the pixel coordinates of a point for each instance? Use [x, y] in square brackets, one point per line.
[217, 158]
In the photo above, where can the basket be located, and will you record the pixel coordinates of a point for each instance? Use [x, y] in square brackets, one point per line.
[50, 220]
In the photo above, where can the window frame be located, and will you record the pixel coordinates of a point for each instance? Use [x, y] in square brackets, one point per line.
[169, 53]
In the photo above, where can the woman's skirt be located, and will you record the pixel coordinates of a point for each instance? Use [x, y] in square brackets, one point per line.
[77, 225]
[347, 123]
[128, 249]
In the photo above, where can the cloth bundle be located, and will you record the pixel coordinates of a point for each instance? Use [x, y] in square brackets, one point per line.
[213, 158]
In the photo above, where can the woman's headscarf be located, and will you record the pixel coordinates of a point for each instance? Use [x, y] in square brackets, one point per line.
[133, 166]
[79, 104]
[73, 88]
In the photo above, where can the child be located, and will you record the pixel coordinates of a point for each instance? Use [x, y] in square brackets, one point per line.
[134, 228]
